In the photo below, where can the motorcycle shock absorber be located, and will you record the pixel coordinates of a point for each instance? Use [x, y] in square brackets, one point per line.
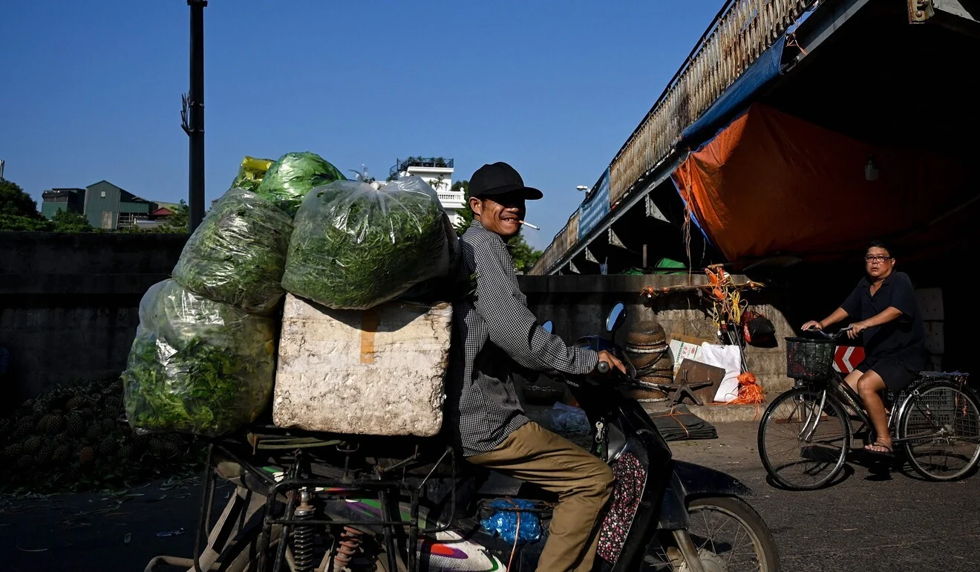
[350, 542]
[303, 534]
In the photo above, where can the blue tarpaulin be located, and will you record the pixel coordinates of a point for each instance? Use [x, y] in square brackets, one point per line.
[736, 98]
[593, 211]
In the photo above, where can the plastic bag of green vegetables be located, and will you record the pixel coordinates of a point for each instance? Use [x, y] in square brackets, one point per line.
[356, 245]
[250, 173]
[197, 366]
[238, 253]
[289, 179]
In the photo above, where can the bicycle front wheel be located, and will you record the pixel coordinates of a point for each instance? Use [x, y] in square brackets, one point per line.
[803, 439]
[940, 430]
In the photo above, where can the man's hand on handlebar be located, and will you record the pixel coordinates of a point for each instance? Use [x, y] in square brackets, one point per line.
[607, 361]
[812, 325]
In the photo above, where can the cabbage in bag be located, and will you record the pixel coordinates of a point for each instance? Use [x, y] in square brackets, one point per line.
[355, 246]
[238, 253]
[197, 366]
[290, 178]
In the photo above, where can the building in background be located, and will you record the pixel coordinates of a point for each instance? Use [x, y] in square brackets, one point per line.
[54, 200]
[438, 173]
[105, 205]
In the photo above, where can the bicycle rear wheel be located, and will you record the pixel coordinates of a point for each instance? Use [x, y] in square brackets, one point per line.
[801, 442]
[940, 430]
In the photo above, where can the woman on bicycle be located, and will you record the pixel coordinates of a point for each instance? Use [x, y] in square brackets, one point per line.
[889, 323]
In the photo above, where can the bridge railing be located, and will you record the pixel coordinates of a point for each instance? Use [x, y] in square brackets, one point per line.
[743, 30]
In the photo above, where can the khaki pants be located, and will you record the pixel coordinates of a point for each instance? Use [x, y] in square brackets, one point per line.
[581, 480]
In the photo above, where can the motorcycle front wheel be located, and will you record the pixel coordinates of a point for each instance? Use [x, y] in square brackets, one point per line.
[728, 534]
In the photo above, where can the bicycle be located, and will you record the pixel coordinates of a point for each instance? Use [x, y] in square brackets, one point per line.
[806, 433]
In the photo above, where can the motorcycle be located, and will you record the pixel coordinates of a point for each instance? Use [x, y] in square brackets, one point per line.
[309, 502]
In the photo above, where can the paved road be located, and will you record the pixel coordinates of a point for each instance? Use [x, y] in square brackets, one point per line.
[867, 522]
[97, 532]
[864, 523]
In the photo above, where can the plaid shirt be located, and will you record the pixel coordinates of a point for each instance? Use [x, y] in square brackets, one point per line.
[491, 330]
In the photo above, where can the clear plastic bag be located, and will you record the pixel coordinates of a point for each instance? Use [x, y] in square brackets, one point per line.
[251, 172]
[238, 253]
[504, 523]
[355, 245]
[291, 177]
[197, 366]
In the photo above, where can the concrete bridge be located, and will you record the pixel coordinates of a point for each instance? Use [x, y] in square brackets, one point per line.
[880, 75]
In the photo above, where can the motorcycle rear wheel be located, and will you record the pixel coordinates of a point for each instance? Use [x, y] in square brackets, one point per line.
[718, 545]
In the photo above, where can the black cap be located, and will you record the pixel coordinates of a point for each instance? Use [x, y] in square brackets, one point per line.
[498, 179]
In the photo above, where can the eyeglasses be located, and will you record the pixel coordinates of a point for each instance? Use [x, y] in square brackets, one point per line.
[871, 258]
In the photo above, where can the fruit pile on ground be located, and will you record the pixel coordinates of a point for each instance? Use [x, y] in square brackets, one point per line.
[75, 438]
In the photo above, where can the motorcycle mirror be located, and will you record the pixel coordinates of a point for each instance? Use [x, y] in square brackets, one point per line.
[616, 317]
[548, 326]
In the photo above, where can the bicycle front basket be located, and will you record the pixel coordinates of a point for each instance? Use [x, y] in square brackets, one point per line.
[809, 359]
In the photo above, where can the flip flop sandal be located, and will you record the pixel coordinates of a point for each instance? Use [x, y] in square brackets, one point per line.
[876, 448]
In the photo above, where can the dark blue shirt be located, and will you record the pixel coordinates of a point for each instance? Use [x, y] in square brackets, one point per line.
[903, 338]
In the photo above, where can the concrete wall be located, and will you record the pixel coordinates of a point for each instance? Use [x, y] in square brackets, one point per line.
[68, 303]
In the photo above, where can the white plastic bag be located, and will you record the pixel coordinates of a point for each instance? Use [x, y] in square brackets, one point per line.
[729, 358]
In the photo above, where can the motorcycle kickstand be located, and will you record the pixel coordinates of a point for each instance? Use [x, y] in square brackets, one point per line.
[688, 550]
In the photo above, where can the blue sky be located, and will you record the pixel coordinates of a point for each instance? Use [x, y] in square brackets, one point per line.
[91, 90]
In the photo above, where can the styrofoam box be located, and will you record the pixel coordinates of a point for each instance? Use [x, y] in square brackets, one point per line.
[371, 372]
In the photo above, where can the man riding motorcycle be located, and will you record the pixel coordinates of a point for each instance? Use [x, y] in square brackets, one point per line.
[494, 328]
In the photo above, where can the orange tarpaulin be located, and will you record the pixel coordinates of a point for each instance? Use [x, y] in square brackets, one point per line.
[773, 183]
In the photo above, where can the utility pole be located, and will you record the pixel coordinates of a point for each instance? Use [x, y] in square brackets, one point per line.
[192, 115]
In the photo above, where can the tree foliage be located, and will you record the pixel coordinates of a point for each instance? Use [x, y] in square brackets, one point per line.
[64, 221]
[179, 221]
[523, 254]
[18, 211]
[466, 215]
[14, 201]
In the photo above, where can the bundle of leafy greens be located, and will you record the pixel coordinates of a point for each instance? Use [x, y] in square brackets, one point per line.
[197, 366]
[238, 253]
[250, 173]
[290, 178]
[356, 245]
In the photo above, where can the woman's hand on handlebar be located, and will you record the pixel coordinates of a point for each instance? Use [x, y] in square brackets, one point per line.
[855, 329]
[607, 361]
[812, 325]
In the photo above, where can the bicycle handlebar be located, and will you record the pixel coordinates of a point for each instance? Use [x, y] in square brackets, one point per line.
[603, 367]
[834, 336]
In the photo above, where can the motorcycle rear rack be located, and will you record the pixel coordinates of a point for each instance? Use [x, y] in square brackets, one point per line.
[398, 534]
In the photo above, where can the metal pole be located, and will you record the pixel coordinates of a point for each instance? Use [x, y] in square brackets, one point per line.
[195, 103]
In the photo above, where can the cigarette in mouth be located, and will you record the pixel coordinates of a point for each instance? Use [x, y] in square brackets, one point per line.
[528, 224]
